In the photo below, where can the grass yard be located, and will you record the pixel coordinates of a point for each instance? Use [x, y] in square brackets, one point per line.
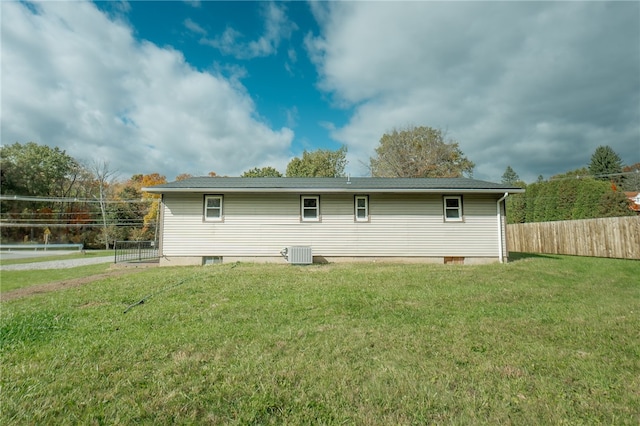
[543, 340]
[12, 280]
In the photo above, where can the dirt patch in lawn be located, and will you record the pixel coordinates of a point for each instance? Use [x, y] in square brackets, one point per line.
[64, 284]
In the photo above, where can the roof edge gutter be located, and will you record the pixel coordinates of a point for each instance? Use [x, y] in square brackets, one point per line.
[333, 190]
[500, 231]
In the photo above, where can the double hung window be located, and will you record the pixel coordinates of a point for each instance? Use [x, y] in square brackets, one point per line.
[453, 208]
[213, 207]
[310, 208]
[361, 208]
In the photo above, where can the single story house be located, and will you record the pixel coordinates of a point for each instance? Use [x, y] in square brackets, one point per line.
[446, 220]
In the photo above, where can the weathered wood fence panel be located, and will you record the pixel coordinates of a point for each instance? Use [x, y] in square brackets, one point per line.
[617, 237]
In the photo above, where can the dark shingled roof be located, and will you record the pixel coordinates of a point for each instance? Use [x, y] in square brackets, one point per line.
[328, 185]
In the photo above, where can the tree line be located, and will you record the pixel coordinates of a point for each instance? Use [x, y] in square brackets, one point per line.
[586, 193]
[45, 191]
[412, 152]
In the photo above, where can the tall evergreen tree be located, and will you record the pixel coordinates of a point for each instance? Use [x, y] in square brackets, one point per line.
[605, 162]
[510, 177]
[516, 203]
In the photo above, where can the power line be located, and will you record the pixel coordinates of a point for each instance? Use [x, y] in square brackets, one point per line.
[67, 225]
[58, 214]
[635, 172]
[72, 199]
[87, 221]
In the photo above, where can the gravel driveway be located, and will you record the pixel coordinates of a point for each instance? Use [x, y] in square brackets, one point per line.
[57, 264]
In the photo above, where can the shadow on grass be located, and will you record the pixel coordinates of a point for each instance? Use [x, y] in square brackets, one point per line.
[516, 256]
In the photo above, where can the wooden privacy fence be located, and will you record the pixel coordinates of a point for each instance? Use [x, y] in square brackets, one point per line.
[607, 237]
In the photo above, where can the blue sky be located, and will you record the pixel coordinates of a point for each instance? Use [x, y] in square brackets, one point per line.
[278, 75]
[200, 86]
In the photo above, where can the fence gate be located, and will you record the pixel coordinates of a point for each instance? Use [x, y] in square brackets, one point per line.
[135, 251]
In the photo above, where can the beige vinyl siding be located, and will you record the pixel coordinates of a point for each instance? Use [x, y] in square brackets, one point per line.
[262, 225]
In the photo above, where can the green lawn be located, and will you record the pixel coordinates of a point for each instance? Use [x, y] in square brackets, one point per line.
[542, 340]
[12, 280]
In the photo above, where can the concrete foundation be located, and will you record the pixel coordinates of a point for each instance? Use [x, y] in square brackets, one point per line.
[199, 260]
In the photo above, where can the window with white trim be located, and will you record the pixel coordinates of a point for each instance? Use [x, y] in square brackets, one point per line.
[361, 208]
[213, 207]
[453, 208]
[310, 208]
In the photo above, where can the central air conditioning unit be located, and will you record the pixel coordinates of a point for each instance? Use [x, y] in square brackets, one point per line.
[298, 255]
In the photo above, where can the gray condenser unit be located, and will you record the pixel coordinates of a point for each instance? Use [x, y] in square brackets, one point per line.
[298, 255]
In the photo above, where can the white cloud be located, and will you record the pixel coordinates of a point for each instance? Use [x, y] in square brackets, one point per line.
[292, 116]
[194, 27]
[489, 74]
[193, 3]
[293, 58]
[277, 27]
[73, 78]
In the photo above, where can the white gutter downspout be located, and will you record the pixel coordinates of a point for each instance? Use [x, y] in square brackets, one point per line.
[500, 253]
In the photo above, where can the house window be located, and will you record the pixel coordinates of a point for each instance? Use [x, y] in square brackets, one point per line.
[453, 209]
[362, 208]
[213, 207]
[310, 208]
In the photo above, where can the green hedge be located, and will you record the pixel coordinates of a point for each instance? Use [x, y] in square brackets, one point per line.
[567, 199]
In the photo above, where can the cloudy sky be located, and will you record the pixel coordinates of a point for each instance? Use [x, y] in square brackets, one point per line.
[200, 86]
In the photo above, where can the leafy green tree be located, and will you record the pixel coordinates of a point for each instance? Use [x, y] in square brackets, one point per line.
[547, 202]
[516, 203]
[588, 198]
[419, 152]
[566, 196]
[614, 204]
[510, 177]
[37, 170]
[605, 162]
[531, 196]
[557, 197]
[319, 163]
[572, 174]
[517, 206]
[569, 197]
[262, 172]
